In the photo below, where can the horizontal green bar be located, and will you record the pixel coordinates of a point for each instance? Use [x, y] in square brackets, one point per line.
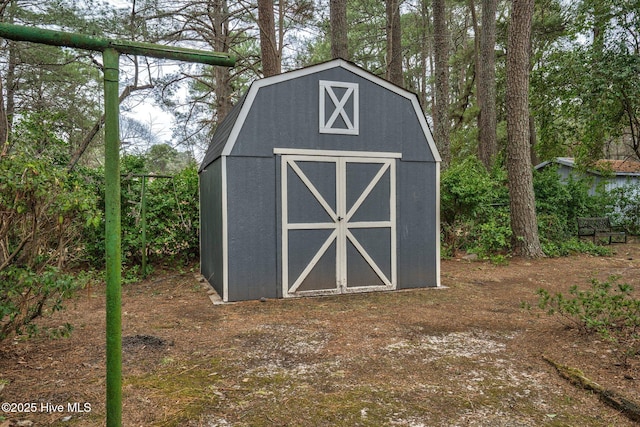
[81, 41]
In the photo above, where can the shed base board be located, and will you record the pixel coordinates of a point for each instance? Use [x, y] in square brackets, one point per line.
[211, 292]
[217, 300]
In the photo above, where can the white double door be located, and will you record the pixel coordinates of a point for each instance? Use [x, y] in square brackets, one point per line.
[338, 224]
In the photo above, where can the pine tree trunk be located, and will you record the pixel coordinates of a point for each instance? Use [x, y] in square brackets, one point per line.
[441, 113]
[338, 21]
[268, 48]
[524, 224]
[394, 43]
[4, 125]
[221, 75]
[5, 103]
[425, 53]
[10, 104]
[487, 137]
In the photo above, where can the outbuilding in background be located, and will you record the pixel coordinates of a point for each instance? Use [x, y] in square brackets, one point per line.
[611, 174]
[323, 180]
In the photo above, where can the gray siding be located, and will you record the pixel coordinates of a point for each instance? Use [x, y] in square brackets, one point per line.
[417, 234]
[251, 227]
[610, 183]
[222, 134]
[211, 257]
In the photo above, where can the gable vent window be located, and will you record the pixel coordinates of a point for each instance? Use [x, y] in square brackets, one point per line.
[339, 109]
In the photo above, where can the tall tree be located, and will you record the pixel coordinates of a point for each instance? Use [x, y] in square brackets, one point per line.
[4, 125]
[268, 45]
[587, 92]
[221, 75]
[486, 85]
[338, 23]
[394, 43]
[216, 25]
[7, 104]
[44, 80]
[524, 225]
[441, 54]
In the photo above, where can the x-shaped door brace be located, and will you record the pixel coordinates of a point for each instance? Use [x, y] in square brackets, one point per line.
[344, 222]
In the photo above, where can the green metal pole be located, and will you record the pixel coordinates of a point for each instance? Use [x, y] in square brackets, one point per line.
[111, 50]
[143, 220]
[112, 237]
[81, 41]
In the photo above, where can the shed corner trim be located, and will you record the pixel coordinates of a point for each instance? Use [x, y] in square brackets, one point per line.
[225, 233]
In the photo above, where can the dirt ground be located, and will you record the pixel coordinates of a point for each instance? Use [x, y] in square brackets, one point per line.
[463, 355]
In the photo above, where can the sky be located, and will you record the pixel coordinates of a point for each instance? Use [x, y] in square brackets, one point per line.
[147, 111]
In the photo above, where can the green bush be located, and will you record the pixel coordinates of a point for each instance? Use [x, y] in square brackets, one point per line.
[51, 218]
[43, 210]
[558, 205]
[172, 217]
[474, 209]
[608, 309]
[552, 204]
[622, 205]
[467, 191]
[557, 248]
[492, 236]
[27, 294]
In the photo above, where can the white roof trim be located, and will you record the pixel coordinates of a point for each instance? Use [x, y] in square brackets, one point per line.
[338, 153]
[258, 84]
[566, 161]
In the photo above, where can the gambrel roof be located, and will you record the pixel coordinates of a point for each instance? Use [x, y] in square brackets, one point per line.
[226, 135]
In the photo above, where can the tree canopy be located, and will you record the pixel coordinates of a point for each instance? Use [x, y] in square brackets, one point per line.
[582, 60]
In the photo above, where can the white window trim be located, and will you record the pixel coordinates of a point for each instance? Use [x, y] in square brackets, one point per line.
[326, 123]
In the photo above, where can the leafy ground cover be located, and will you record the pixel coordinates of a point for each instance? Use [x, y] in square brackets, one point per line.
[464, 355]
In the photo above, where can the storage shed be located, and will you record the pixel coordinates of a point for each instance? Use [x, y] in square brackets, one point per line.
[611, 174]
[323, 180]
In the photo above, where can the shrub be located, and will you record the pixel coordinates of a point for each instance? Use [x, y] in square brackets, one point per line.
[556, 248]
[474, 209]
[491, 237]
[559, 203]
[172, 217]
[43, 210]
[623, 206]
[552, 205]
[27, 294]
[608, 309]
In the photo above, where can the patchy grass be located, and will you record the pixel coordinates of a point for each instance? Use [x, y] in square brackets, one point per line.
[275, 379]
[467, 355]
[182, 390]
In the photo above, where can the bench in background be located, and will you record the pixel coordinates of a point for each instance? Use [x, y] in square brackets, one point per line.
[599, 228]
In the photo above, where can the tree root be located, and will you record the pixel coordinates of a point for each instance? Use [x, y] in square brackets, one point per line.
[615, 400]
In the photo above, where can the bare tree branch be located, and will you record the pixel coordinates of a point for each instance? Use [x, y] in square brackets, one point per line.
[98, 125]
